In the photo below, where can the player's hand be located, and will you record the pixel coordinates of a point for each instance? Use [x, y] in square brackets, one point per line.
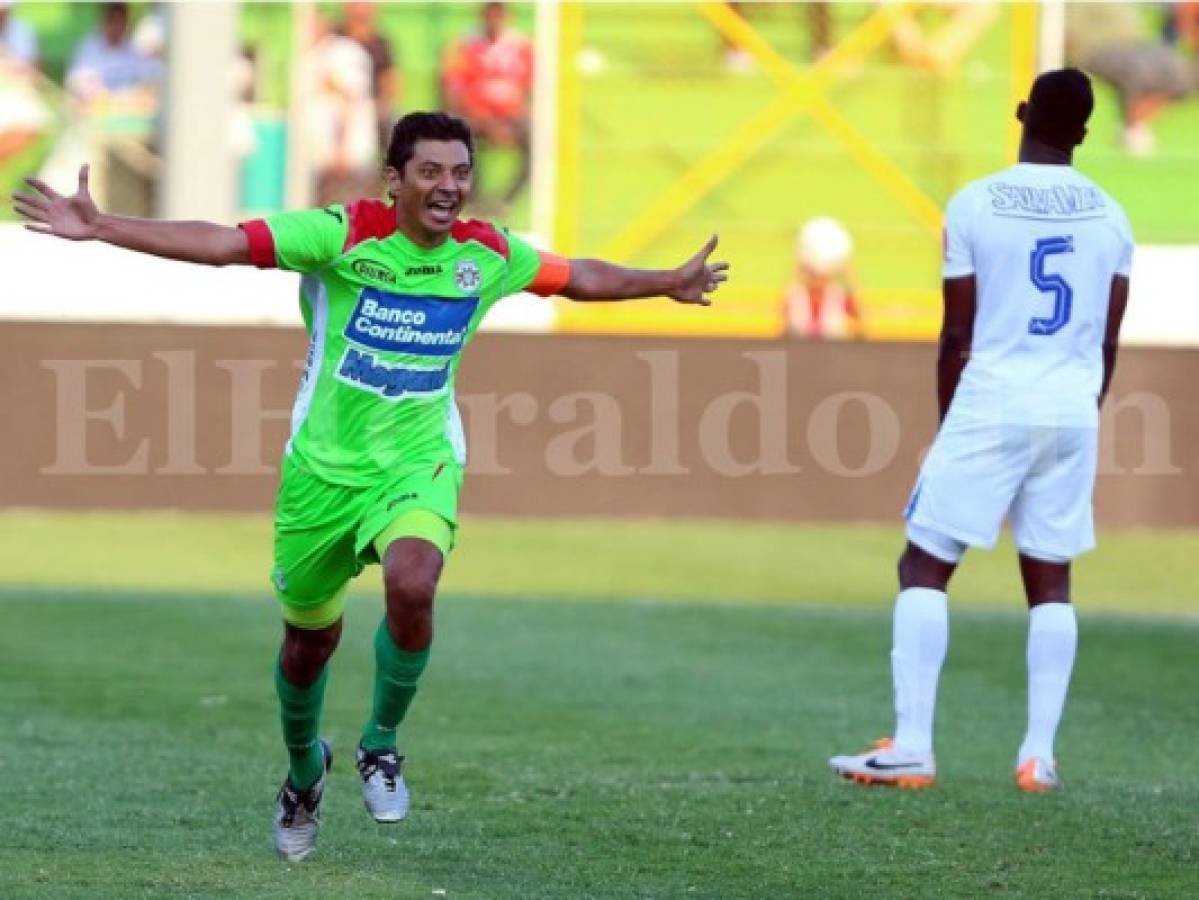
[48, 212]
[697, 278]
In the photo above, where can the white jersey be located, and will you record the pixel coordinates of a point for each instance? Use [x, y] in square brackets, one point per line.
[1043, 242]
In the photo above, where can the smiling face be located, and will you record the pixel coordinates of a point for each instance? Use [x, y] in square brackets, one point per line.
[431, 190]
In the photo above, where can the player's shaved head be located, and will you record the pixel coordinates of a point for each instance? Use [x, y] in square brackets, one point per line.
[1058, 107]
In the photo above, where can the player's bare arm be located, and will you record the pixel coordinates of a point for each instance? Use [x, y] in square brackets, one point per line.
[691, 283]
[957, 332]
[1116, 304]
[76, 218]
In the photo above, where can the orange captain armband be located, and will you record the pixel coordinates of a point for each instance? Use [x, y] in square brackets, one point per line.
[552, 275]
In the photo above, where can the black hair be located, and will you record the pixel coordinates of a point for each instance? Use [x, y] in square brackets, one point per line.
[425, 126]
[109, 9]
[1059, 105]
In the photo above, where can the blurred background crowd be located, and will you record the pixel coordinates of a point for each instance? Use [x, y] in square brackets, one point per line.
[85, 81]
[77, 79]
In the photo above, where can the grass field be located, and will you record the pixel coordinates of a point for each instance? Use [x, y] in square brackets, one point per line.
[640, 711]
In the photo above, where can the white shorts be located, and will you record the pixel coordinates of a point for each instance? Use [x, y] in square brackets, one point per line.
[980, 471]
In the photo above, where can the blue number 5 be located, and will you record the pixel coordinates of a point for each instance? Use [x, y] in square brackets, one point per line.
[1063, 294]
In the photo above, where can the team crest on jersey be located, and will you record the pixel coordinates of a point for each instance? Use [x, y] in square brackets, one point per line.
[467, 276]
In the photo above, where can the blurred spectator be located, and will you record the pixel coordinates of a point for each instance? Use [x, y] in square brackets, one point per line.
[113, 86]
[107, 66]
[737, 59]
[820, 28]
[817, 21]
[1108, 40]
[243, 78]
[821, 299]
[18, 43]
[1181, 24]
[23, 115]
[1186, 23]
[344, 133]
[487, 79]
[149, 37]
[358, 24]
[939, 37]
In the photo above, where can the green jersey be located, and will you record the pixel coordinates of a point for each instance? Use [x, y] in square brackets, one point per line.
[387, 322]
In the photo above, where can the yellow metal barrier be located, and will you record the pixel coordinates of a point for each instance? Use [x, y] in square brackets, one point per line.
[802, 91]
[1023, 64]
[754, 310]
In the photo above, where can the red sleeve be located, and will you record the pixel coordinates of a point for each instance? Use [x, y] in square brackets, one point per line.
[262, 243]
[552, 276]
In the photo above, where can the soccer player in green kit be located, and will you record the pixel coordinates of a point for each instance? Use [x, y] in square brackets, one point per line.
[391, 294]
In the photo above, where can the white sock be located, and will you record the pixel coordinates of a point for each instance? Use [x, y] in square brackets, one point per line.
[1052, 640]
[920, 638]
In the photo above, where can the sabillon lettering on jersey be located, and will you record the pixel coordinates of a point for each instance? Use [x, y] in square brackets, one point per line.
[365, 370]
[365, 268]
[1058, 200]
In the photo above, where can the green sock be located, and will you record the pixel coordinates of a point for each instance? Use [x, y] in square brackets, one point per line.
[300, 712]
[396, 674]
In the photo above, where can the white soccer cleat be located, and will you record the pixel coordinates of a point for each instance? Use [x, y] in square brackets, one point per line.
[298, 814]
[383, 788]
[1037, 776]
[887, 765]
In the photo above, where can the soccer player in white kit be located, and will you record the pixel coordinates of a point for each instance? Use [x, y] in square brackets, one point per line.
[1036, 267]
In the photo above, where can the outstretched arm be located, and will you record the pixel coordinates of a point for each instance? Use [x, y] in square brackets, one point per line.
[594, 279]
[76, 218]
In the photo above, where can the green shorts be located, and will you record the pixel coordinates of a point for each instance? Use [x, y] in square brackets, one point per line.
[326, 533]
